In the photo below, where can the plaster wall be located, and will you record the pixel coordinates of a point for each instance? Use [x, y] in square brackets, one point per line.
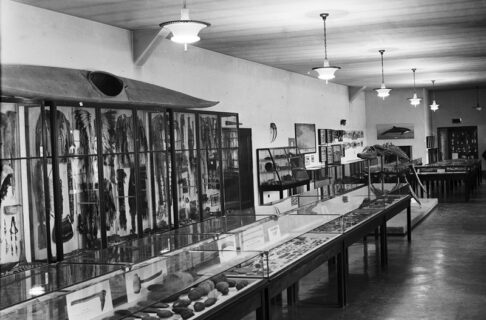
[396, 110]
[260, 94]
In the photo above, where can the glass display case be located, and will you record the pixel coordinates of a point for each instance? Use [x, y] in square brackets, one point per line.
[210, 164]
[184, 284]
[139, 250]
[284, 239]
[85, 176]
[279, 169]
[216, 225]
[186, 168]
[26, 212]
[26, 292]
[206, 165]
[281, 256]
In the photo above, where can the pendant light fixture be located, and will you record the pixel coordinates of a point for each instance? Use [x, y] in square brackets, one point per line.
[383, 91]
[414, 100]
[477, 106]
[326, 72]
[434, 106]
[184, 30]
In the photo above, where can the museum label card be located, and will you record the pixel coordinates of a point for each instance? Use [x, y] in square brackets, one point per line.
[274, 233]
[90, 302]
[138, 280]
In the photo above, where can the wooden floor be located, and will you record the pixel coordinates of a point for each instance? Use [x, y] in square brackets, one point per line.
[441, 275]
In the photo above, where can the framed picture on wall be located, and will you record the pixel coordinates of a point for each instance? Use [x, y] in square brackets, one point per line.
[395, 131]
[305, 137]
[322, 154]
[329, 133]
[321, 134]
[336, 153]
[329, 158]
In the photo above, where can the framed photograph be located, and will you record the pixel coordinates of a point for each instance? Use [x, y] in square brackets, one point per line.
[329, 135]
[291, 142]
[330, 157]
[322, 137]
[336, 153]
[305, 137]
[322, 154]
[395, 131]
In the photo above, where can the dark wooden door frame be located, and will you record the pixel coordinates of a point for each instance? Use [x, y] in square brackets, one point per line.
[246, 167]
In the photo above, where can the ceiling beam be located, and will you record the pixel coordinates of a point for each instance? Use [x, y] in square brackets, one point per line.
[353, 92]
[144, 42]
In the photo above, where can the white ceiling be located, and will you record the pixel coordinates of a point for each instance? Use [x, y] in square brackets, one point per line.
[444, 39]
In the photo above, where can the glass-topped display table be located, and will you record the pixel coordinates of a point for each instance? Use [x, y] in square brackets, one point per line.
[184, 284]
[449, 179]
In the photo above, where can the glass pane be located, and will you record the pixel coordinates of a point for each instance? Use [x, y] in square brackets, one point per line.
[208, 131]
[119, 199]
[158, 125]
[36, 131]
[229, 131]
[144, 196]
[210, 183]
[161, 193]
[9, 137]
[12, 237]
[42, 283]
[187, 188]
[38, 210]
[80, 203]
[231, 178]
[76, 131]
[185, 133]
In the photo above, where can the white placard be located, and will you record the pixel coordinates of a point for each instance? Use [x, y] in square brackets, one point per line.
[274, 233]
[253, 239]
[90, 302]
[138, 280]
[227, 248]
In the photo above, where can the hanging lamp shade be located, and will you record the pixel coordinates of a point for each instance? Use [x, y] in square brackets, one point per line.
[434, 106]
[414, 100]
[477, 106]
[383, 91]
[326, 72]
[185, 30]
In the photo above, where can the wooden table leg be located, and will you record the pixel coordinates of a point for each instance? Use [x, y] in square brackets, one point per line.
[409, 224]
[383, 245]
[341, 279]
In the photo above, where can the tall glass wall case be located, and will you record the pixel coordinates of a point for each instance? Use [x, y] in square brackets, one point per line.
[86, 176]
[206, 169]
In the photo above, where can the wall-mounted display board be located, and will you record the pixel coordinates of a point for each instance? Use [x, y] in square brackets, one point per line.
[87, 176]
[323, 156]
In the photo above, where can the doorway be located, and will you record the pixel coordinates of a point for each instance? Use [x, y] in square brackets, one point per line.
[246, 168]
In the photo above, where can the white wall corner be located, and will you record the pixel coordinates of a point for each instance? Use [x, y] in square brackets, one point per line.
[144, 42]
[353, 92]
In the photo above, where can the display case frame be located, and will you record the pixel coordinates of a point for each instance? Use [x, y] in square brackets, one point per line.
[54, 225]
[32, 213]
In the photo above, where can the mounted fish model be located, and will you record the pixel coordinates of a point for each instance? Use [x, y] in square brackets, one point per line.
[397, 130]
[401, 169]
